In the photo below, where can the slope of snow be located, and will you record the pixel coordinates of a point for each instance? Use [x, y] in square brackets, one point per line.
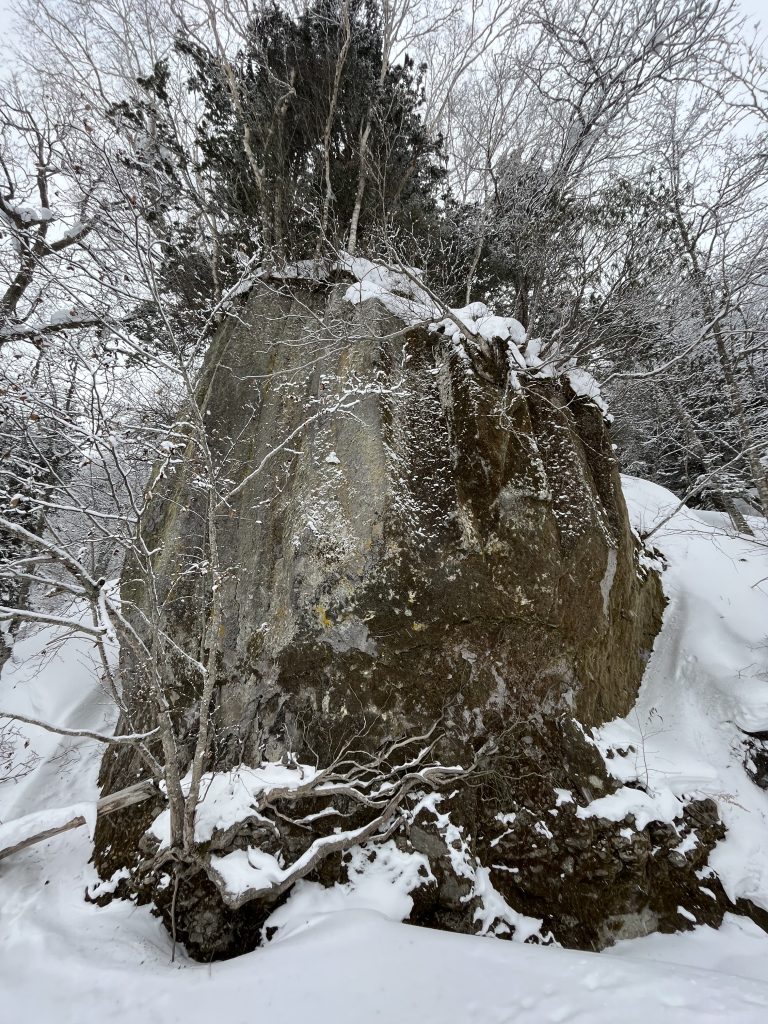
[54, 675]
[20, 830]
[705, 686]
[337, 957]
[737, 948]
[69, 962]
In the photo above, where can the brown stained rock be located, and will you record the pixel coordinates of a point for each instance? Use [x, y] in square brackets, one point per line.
[445, 549]
[595, 881]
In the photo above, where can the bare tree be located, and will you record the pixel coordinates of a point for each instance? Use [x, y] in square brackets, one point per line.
[552, 113]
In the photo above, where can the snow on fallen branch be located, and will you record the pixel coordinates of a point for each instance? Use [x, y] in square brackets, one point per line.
[245, 875]
[38, 826]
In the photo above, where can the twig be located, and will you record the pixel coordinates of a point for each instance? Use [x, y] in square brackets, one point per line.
[117, 741]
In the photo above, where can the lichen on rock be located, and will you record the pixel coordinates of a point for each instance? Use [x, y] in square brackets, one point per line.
[430, 550]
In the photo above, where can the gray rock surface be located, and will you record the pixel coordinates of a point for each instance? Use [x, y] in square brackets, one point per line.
[413, 543]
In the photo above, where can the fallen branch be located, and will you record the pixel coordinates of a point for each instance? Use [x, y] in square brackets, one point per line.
[278, 880]
[370, 781]
[33, 828]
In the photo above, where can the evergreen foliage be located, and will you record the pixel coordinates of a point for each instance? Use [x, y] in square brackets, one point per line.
[262, 134]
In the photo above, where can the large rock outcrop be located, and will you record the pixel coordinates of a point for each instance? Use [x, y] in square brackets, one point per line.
[415, 545]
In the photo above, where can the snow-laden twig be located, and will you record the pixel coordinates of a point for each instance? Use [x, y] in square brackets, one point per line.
[126, 739]
[47, 619]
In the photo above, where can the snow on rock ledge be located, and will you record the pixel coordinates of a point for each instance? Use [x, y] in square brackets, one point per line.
[229, 797]
[402, 294]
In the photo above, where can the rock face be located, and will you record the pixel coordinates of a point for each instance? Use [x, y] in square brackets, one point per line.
[413, 544]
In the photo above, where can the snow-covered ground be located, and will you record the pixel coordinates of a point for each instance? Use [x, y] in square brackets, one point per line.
[706, 684]
[338, 959]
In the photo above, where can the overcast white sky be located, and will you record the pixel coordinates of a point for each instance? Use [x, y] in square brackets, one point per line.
[5, 22]
[4, 16]
[757, 9]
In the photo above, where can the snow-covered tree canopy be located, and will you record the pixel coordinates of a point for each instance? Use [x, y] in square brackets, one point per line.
[325, 328]
[594, 171]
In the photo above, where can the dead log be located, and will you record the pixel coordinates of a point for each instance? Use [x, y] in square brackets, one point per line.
[14, 836]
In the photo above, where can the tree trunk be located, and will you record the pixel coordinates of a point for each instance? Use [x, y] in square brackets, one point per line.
[361, 180]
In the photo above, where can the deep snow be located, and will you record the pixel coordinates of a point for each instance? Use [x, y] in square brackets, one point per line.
[337, 956]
